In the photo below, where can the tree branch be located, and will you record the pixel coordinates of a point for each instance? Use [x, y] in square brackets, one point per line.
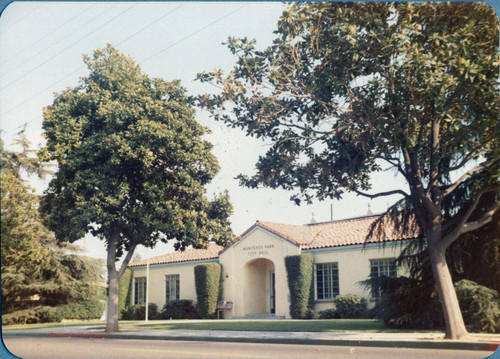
[396, 163]
[126, 260]
[380, 194]
[416, 186]
[465, 160]
[466, 175]
[464, 227]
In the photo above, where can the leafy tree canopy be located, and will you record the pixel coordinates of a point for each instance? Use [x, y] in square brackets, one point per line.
[132, 165]
[130, 156]
[349, 89]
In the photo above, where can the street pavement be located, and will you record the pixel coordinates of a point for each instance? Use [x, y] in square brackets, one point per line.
[485, 342]
[90, 348]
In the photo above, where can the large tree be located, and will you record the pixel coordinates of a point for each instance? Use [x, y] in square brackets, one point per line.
[132, 166]
[349, 89]
[33, 264]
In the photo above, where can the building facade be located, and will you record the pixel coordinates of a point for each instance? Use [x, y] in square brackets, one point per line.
[254, 273]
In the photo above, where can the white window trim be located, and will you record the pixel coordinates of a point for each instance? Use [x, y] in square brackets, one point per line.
[386, 259]
[136, 295]
[177, 289]
[316, 282]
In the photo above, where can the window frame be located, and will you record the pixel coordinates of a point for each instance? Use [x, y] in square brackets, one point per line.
[333, 287]
[386, 267]
[172, 280]
[140, 288]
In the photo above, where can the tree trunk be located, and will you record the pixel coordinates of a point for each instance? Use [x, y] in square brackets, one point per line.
[112, 316]
[455, 326]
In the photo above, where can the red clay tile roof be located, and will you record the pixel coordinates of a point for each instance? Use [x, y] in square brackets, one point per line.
[331, 234]
[321, 235]
[192, 254]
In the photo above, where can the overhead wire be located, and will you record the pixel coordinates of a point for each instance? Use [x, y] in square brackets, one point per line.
[150, 24]
[80, 13]
[190, 35]
[11, 26]
[81, 67]
[128, 38]
[67, 48]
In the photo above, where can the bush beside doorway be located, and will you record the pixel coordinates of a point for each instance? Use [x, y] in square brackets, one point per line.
[299, 270]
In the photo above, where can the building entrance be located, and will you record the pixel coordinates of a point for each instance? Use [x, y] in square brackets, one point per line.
[260, 292]
[272, 290]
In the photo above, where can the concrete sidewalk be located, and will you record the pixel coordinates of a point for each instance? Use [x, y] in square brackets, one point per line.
[488, 342]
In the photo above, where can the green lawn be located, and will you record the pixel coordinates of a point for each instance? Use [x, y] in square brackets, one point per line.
[330, 325]
[333, 325]
[52, 325]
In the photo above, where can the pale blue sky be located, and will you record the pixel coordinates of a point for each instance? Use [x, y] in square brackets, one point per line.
[41, 47]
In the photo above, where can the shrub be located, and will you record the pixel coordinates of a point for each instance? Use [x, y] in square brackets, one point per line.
[208, 288]
[124, 291]
[84, 310]
[328, 314]
[179, 309]
[413, 304]
[350, 306]
[409, 304]
[299, 270]
[41, 314]
[138, 312]
[480, 306]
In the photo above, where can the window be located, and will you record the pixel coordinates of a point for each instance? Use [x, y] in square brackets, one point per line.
[385, 267]
[172, 287]
[327, 281]
[140, 290]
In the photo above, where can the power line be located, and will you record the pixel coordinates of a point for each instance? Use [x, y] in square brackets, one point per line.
[68, 47]
[150, 24]
[21, 19]
[190, 35]
[128, 38]
[81, 67]
[42, 91]
[48, 34]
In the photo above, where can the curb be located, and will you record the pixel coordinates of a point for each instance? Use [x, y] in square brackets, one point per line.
[451, 345]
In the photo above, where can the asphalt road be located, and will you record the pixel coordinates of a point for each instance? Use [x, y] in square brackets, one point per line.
[37, 347]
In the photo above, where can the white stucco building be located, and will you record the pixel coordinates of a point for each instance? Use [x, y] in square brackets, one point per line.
[254, 273]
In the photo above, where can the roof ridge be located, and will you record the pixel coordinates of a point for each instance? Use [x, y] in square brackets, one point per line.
[278, 233]
[342, 220]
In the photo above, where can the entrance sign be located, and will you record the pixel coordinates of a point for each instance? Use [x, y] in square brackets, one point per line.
[260, 250]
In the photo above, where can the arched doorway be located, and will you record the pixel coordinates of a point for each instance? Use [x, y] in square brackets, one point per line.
[260, 287]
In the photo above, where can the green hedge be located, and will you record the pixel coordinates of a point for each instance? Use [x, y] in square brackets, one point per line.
[299, 270]
[179, 309]
[124, 292]
[138, 312]
[42, 314]
[84, 310]
[208, 288]
[349, 306]
[480, 306]
[328, 314]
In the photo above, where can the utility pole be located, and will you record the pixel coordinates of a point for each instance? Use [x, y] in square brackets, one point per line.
[147, 283]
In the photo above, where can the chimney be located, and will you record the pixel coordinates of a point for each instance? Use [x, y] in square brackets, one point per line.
[370, 213]
[331, 212]
[313, 220]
